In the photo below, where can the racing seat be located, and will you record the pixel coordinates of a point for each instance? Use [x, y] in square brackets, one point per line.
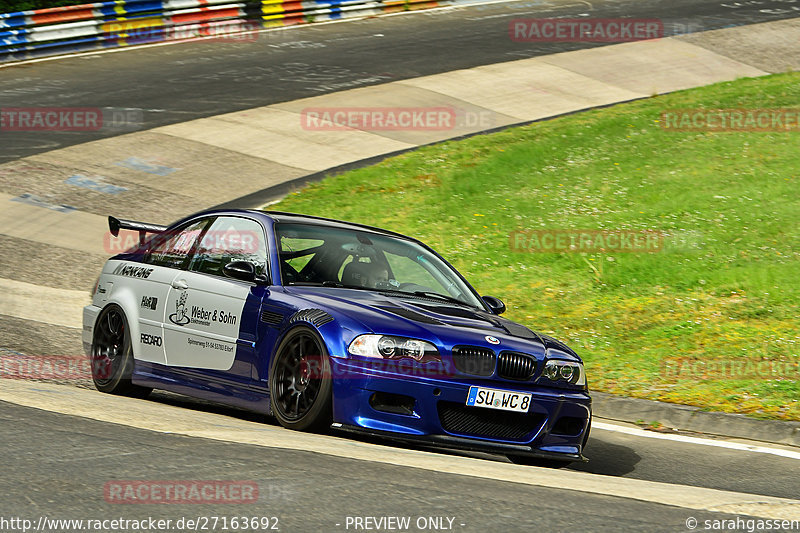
[366, 275]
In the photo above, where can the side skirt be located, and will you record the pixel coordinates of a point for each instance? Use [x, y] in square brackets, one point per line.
[202, 384]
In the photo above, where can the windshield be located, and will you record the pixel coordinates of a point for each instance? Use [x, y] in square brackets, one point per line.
[340, 257]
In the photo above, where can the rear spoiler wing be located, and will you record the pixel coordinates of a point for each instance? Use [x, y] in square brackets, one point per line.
[116, 224]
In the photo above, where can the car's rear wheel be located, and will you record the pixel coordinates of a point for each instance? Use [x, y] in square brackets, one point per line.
[300, 382]
[112, 354]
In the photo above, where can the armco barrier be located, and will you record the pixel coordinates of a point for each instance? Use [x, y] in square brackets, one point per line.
[43, 32]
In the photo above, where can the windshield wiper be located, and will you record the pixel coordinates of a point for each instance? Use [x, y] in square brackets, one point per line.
[442, 296]
[429, 294]
[425, 294]
[328, 283]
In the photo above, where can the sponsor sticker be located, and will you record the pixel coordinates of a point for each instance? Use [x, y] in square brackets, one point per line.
[150, 340]
[133, 271]
[149, 302]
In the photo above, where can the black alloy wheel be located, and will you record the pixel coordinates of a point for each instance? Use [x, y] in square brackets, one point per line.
[300, 382]
[112, 354]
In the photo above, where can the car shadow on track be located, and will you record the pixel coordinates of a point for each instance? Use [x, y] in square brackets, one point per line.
[607, 459]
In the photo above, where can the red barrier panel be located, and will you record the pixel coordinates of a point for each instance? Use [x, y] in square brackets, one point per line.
[63, 14]
[206, 15]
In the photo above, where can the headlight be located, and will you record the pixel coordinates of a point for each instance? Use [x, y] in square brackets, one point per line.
[390, 347]
[564, 372]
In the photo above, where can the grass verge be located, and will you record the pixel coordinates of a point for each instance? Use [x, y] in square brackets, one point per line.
[709, 320]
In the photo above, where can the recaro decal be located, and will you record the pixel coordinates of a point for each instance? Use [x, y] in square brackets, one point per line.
[150, 340]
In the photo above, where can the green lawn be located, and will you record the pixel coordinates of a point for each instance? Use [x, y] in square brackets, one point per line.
[12, 6]
[723, 291]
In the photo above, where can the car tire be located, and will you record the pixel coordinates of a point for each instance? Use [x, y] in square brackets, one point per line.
[112, 354]
[300, 382]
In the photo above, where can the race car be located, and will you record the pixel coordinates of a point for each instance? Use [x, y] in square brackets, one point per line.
[328, 324]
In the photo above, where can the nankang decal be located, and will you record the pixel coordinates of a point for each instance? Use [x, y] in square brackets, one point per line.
[179, 317]
[150, 340]
[199, 315]
[133, 271]
[149, 302]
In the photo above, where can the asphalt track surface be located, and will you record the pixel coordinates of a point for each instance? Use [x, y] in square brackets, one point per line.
[616, 454]
[179, 82]
[58, 466]
[61, 465]
[55, 464]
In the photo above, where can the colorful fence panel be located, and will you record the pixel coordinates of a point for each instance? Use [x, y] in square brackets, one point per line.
[60, 30]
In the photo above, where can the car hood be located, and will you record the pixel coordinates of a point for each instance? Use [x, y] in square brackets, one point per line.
[430, 319]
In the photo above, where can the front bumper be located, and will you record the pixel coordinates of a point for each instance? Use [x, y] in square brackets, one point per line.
[437, 413]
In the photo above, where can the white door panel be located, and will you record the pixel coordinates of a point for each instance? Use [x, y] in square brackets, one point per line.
[203, 320]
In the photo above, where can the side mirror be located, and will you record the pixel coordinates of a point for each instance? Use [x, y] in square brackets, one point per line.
[244, 271]
[495, 304]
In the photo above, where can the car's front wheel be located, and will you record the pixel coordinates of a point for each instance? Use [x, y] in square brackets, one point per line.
[300, 382]
[112, 354]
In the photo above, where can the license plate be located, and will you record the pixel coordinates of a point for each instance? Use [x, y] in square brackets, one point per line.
[504, 400]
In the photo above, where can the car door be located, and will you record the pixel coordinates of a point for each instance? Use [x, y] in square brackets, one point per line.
[168, 254]
[213, 318]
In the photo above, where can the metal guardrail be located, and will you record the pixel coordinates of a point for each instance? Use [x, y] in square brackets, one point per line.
[85, 27]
